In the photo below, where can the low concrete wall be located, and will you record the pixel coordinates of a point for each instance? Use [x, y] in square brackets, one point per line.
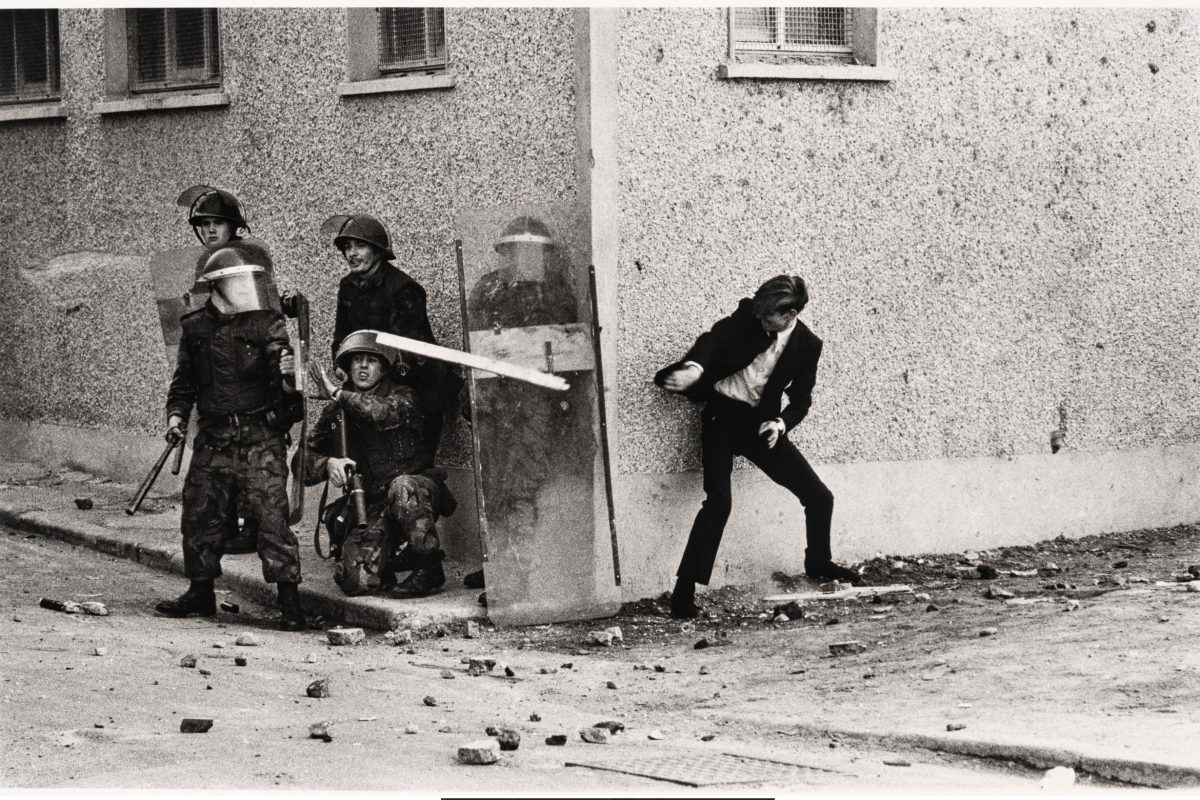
[127, 457]
[940, 505]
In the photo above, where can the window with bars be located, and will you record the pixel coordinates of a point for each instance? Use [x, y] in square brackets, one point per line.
[797, 34]
[173, 48]
[411, 39]
[29, 68]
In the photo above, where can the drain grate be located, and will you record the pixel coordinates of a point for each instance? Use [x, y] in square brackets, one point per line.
[705, 770]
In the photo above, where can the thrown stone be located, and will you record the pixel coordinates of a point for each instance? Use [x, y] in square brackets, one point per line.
[604, 638]
[191, 725]
[65, 606]
[481, 752]
[239, 661]
[708, 737]
[1048, 570]
[397, 638]
[509, 672]
[655, 735]
[188, 661]
[83, 503]
[345, 636]
[847, 648]
[896, 763]
[429, 700]
[955, 726]
[508, 739]
[610, 685]
[616, 633]
[95, 608]
[556, 740]
[100, 651]
[700, 645]
[611, 725]
[248, 640]
[781, 618]
[318, 688]
[412, 728]
[704, 669]
[988, 632]
[230, 608]
[1072, 605]
[321, 730]
[447, 674]
[594, 735]
[472, 629]
[535, 717]
[475, 667]
[205, 671]
[1117, 565]
[996, 593]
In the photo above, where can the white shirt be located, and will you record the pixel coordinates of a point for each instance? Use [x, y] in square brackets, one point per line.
[747, 384]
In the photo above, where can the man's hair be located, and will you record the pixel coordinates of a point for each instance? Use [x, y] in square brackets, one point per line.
[781, 293]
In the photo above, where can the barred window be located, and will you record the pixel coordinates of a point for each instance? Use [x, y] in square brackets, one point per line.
[793, 33]
[173, 48]
[29, 55]
[411, 39]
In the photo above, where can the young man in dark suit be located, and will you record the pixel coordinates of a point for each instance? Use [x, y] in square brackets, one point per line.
[741, 369]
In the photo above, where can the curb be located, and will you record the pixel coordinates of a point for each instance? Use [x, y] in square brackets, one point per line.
[335, 608]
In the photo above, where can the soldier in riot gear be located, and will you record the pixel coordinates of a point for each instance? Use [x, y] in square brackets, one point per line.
[379, 420]
[377, 295]
[235, 369]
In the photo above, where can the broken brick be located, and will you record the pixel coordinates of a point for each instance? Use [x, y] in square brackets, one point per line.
[508, 739]
[557, 739]
[847, 648]
[190, 725]
[84, 503]
[604, 638]
[397, 638]
[188, 661]
[610, 685]
[594, 735]
[239, 661]
[535, 717]
[321, 730]
[345, 636]
[472, 629]
[95, 608]
[611, 725]
[481, 752]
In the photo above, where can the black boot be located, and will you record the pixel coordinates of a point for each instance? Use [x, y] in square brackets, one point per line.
[683, 599]
[473, 580]
[245, 538]
[826, 571]
[426, 579]
[199, 599]
[289, 604]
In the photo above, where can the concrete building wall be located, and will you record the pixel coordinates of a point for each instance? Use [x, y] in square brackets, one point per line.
[1000, 242]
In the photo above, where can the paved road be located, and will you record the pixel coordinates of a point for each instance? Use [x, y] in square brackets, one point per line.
[75, 718]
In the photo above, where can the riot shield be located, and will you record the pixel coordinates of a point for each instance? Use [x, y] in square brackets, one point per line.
[173, 276]
[544, 514]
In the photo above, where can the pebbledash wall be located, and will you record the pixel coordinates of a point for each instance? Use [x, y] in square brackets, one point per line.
[1000, 241]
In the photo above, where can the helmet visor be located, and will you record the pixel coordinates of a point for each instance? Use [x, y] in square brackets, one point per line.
[245, 288]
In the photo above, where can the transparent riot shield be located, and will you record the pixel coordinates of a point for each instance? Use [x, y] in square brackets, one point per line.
[173, 276]
[544, 511]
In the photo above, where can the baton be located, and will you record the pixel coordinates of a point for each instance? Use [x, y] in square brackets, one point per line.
[178, 463]
[144, 489]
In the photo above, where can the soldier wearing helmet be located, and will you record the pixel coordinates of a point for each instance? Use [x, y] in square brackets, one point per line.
[386, 448]
[376, 295]
[234, 369]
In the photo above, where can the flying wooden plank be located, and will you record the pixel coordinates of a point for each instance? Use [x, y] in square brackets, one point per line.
[434, 351]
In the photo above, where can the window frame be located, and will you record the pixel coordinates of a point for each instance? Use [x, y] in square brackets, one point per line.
[49, 90]
[429, 64]
[176, 78]
[865, 53]
[364, 73]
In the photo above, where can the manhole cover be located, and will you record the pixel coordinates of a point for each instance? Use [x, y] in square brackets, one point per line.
[703, 769]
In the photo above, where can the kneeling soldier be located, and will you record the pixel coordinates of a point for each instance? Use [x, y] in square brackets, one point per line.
[379, 422]
[232, 365]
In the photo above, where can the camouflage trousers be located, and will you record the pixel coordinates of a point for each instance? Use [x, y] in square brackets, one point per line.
[217, 479]
[402, 522]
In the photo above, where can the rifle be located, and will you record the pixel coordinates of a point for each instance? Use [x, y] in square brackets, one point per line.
[144, 489]
[353, 487]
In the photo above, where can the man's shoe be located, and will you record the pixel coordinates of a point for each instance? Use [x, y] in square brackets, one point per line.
[246, 541]
[473, 580]
[199, 599]
[827, 571]
[683, 600]
[289, 604]
[426, 579]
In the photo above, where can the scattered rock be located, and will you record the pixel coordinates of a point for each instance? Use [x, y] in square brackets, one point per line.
[230, 608]
[486, 751]
[99, 651]
[321, 730]
[95, 608]
[1072, 605]
[703, 669]
[397, 638]
[708, 737]
[594, 735]
[655, 734]
[535, 717]
[604, 638]
[318, 688]
[509, 672]
[566, 665]
[1193, 586]
[346, 636]
[996, 593]
[986, 571]
[190, 725]
[206, 672]
[65, 606]
[83, 503]
[248, 640]
[700, 645]
[781, 618]
[548, 671]
[188, 661]
[988, 632]
[1023, 573]
[931, 607]
[610, 685]
[611, 725]
[616, 633]
[922, 597]
[1048, 570]
[508, 739]
[429, 700]
[556, 740]
[472, 629]
[239, 661]
[218, 646]
[411, 728]
[896, 763]
[1116, 565]
[1058, 778]
[447, 675]
[475, 667]
[847, 648]
[955, 726]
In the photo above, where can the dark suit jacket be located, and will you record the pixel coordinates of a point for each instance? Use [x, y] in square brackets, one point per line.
[733, 343]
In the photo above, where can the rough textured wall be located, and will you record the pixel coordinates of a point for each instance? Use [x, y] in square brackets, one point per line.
[1002, 240]
[89, 199]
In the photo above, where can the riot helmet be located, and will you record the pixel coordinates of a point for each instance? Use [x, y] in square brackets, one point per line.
[238, 277]
[525, 247]
[362, 227]
[206, 201]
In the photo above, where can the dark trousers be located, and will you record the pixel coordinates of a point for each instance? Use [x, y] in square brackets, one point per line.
[730, 428]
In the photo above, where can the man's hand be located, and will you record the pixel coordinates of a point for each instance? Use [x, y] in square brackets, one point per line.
[683, 378]
[287, 368]
[176, 429]
[337, 470]
[326, 382]
[770, 431]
